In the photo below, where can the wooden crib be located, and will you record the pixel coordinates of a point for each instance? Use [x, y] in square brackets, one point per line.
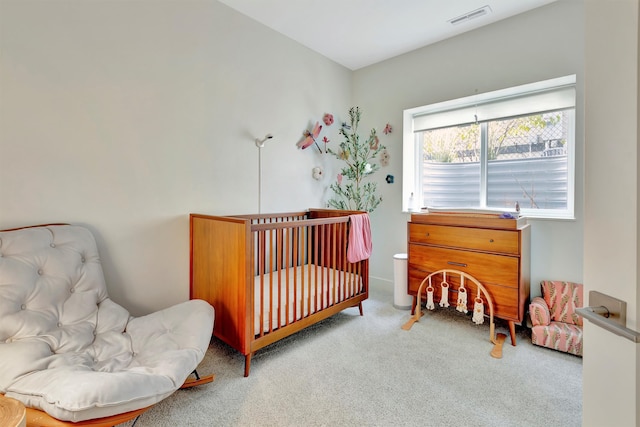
[271, 275]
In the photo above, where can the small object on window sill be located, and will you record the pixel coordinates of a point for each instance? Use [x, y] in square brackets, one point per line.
[411, 204]
[507, 215]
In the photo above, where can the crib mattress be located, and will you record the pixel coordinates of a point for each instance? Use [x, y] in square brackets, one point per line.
[310, 288]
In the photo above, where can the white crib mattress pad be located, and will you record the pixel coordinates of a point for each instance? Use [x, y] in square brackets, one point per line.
[311, 288]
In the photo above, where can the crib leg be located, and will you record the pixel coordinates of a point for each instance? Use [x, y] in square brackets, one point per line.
[360, 307]
[247, 364]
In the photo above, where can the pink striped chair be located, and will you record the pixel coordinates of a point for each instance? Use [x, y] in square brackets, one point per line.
[553, 316]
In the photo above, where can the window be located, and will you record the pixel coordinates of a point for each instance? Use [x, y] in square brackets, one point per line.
[493, 150]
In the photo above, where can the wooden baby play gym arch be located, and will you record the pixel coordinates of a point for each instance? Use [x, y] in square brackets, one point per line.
[461, 302]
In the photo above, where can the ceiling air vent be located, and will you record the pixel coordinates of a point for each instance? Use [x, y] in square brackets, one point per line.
[470, 15]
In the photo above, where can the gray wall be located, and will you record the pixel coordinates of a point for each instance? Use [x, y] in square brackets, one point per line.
[128, 115]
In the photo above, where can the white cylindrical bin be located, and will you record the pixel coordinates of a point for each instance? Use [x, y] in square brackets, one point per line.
[401, 299]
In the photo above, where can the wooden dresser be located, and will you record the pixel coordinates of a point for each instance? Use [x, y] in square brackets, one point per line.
[493, 250]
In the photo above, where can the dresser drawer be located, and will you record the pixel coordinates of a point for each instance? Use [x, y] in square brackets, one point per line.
[497, 241]
[487, 268]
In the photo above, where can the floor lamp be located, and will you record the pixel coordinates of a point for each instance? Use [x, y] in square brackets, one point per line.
[260, 145]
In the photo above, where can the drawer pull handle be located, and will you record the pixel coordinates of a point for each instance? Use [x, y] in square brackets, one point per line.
[426, 234]
[459, 264]
[490, 240]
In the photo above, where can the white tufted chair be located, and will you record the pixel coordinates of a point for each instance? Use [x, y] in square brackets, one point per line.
[67, 349]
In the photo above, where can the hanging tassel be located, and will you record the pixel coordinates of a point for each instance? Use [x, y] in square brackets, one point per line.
[462, 300]
[444, 299]
[478, 311]
[430, 305]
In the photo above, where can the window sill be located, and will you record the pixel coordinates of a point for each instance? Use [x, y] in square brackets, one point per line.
[529, 215]
[549, 217]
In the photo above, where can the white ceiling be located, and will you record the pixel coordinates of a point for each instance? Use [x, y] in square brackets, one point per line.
[357, 33]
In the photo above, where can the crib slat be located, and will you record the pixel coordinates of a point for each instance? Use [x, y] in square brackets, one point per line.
[278, 267]
[320, 293]
[304, 303]
[310, 275]
[313, 284]
[336, 279]
[287, 304]
[296, 237]
[269, 254]
[328, 261]
[261, 253]
[345, 264]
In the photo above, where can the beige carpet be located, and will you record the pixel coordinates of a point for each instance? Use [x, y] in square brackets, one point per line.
[366, 371]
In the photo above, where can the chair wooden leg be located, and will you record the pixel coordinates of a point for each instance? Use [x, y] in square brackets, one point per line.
[198, 380]
[36, 418]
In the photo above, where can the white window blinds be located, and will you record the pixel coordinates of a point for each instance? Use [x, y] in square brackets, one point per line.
[549, 95]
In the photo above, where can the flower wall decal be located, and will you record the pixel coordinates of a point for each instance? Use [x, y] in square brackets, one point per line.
[351, 190]
[317, 173]
[384, 158]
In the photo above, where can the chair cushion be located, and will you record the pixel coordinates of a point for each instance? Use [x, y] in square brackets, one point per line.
[563, 298]
[67, 349]
[539, 312]
[559, 336]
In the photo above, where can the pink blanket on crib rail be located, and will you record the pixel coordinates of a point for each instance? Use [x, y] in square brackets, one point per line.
[360, 244]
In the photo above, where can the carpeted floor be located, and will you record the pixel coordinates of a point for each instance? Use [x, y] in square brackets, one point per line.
[366, 371]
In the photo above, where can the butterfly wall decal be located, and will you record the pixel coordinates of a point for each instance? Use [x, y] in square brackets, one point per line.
[310, 137]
